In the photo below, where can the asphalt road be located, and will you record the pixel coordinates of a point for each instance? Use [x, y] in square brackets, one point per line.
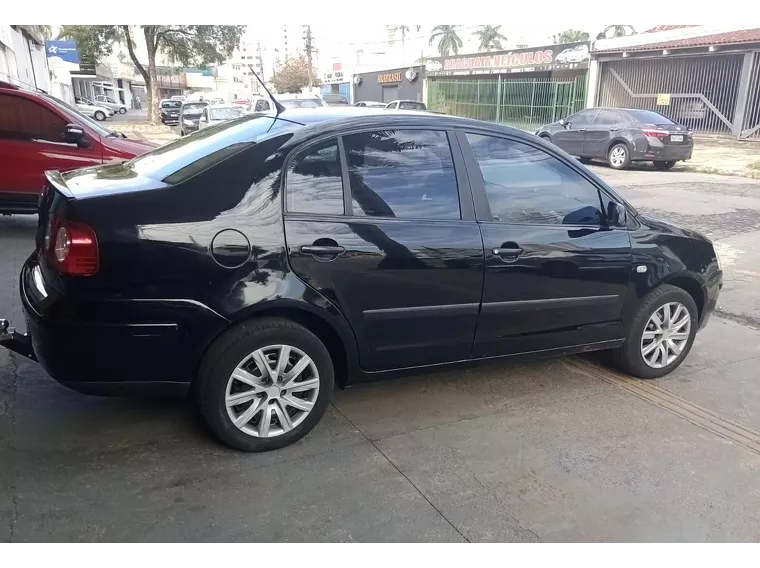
[561, 450]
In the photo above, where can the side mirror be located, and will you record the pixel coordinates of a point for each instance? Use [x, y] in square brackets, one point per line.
[74, 135]
[563, 122]
[616, 214]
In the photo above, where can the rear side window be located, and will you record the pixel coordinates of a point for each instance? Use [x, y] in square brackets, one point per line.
[315, 182]
[649, 117]
[24, 119]
[527, 185]
[402, 173]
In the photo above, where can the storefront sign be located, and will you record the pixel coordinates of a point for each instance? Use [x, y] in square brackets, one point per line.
[663, 99]
[562, 56]
[389, 78]
[66, 50]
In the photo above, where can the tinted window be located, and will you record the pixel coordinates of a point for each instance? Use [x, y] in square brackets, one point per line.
[402, 173]
[25, 119]
[649, 117]
[171, 104]
[607, 117]
[407, 105]
[193, 109]
[65, 107]
[315, 182]
[262, 106]
[581, 118]
[225, 113]
[527, 185]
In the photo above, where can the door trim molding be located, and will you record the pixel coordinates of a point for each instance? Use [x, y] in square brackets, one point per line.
[444, 310]
[553, 303]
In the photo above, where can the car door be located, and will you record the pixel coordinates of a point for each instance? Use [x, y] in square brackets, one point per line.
[570, 137]
[382, 224]
[32, 140]
[557, 271]
[600, 132]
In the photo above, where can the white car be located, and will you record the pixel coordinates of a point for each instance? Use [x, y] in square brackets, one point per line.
[433, 66]
[88, 108]
[216, 114]
[108, 102]
[575, 55]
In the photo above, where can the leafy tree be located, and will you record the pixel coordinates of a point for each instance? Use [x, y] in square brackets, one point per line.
[404, 29]
[187, 45]
[449, 39]
[293, 76]
[616, 31]
[490, 38]
[571, 36]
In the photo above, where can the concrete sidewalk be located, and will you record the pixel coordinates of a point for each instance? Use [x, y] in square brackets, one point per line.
[725, 157]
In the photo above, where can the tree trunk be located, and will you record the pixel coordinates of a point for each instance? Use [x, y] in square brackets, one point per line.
[152, 88]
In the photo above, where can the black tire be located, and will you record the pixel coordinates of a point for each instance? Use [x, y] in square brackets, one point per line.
[628, 357]
[664, 166]
[233, 347]
[616, 164]
[585, 161]
[100, 115]
[122, 110]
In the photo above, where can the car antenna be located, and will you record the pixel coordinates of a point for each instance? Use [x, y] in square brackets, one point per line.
[278, 106]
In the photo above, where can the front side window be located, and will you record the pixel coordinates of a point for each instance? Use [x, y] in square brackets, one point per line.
[402, 173]
[580, 119]
[24, 119]
[528, 185]
[315, 182]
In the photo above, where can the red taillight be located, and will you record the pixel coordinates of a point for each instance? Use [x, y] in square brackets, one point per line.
[73, 248]
[656, 133]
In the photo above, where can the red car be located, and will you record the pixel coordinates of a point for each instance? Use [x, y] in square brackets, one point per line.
[39, 132]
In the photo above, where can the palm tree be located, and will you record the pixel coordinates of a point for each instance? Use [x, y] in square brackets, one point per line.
[449, 42]
[490, 38]
[617, 31]
[404, 29]
[571, 36]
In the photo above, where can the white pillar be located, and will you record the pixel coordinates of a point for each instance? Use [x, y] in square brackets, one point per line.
[593, 83]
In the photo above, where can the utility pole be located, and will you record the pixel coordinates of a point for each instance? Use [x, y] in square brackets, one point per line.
[308, 56]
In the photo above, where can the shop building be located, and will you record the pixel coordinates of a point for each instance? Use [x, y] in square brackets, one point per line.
[705, 77]
[404, 83]
[524, 88]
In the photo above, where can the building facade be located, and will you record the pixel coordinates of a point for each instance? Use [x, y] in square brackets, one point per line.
[405, 83]
[523, 88]
[705, 77]
[22, 57]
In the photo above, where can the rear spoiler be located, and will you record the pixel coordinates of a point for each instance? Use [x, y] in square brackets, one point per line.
[56, 180]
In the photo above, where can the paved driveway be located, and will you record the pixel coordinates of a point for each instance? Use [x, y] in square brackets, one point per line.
[560, 450]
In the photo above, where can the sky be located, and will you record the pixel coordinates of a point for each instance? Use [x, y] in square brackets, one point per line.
[336, 41]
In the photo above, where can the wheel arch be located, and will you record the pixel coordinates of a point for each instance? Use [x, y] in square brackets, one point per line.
[340, 343]
[618, 140]
[689, 284]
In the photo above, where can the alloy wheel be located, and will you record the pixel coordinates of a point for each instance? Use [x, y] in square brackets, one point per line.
[666, 335]
[272, 391]
[617, 156]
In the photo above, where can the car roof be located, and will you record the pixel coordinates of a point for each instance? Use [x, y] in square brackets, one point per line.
[406, 101]
[287, 96]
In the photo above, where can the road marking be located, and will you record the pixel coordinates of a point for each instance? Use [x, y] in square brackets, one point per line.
[701, 417]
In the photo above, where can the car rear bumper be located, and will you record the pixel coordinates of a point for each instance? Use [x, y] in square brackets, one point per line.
[143, 347]
[665, 152]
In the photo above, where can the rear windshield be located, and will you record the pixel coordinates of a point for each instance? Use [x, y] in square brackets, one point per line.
[193, 108]
[227, 113]
[178, 160]
[302, 103]
[171, 104]
[649, 117]
[406, 105]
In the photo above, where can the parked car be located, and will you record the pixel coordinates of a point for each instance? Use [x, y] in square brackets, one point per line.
[335, 100]
[216, 114]
[240, 264]
[108, 102]
[190, 114]
[89, 108]
[371, 104]
[168, 110]
[39, 132]
[620, 136]
[299, 101]
[406, 105]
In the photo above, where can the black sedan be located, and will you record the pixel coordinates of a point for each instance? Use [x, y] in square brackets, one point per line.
[620, 136]
[262, 260]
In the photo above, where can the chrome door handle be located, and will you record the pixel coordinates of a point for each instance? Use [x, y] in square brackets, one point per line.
[508, 252]
[323, 250]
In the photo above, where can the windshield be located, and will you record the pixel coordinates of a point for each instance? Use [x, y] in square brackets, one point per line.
[220, 139]
[302, 103]
[88, 121]
[406, 105]
[171, 104]
[224, 113]
[193, 109]
[649, 117]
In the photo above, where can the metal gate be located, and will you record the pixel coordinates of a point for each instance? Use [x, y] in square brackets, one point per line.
[751, 123]
[702, 90]
[526, 103]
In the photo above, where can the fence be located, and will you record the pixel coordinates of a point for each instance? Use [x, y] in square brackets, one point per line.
[525, 103]
[751, 123]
